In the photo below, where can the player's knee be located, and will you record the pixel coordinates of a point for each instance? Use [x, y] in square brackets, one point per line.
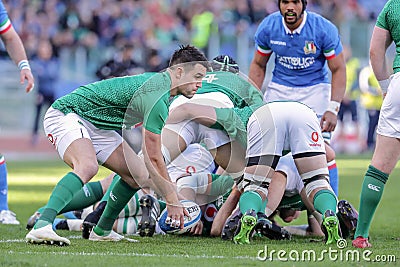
[86, 171]
[316, 182]
[141, 176]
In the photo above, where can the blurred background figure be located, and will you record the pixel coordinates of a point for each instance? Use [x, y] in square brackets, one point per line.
[155, 62]
[46, 69]
[349, 140]
[371, 101]
[122, 64]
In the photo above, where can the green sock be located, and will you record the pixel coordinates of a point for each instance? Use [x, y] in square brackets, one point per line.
[371, 194]
[107, 193]
[88, 195]
[325, 200]
[62, 194]
[163, 205]
[250, 200]
[220, 184]
[119, 197]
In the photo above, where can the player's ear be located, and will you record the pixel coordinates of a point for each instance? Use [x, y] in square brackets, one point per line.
[179, 72]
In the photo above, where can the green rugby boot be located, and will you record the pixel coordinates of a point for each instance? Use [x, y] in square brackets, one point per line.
[331, 224]
[245, 228]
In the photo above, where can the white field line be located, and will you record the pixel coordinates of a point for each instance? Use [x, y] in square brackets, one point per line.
[10, 252]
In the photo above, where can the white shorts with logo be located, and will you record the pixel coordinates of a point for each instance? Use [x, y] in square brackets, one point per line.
[389, 118]
[195, 159]
[62, 130]
[283, 126]
[193, 132]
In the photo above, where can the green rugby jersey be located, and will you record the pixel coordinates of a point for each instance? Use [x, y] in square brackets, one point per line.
[122, 102]
[389, 19]
[237, 88]
[234, 121]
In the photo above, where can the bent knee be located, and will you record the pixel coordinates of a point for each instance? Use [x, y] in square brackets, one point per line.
[86, 171]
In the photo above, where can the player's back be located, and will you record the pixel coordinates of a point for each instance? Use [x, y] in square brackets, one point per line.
[236, 87]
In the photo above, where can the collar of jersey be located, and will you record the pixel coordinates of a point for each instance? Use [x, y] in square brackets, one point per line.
[298, 30]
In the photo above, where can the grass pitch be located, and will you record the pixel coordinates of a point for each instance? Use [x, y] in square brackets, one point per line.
[30, 184]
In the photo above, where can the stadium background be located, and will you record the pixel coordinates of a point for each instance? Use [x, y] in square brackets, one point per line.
[87, 33]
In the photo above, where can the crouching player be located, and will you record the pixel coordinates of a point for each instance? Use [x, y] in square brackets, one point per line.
[271, 131]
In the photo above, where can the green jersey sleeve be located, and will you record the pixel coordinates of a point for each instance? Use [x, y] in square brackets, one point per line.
[389, 19]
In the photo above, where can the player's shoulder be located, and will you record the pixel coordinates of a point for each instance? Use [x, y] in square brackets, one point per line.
[3, 13]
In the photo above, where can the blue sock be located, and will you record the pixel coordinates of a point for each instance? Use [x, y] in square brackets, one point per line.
[55, 222]
[334, 176]
[3, 184]
[69, 215]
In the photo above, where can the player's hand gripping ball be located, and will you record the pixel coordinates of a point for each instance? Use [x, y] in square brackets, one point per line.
[189, 222]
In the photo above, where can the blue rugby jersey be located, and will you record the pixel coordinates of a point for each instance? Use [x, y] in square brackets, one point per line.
[5, 23]
[300, 56]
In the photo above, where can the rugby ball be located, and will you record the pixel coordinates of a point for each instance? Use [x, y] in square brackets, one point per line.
[195, 214]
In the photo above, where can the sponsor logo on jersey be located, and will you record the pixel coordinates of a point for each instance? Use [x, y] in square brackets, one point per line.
[374, 187]
[277, 42]
[310, 48]
[295, 63]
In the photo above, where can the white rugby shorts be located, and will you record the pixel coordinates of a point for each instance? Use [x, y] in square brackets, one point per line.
[283, 126]
[389, 118]
[316, 97]
[195, 159]
[62, 130]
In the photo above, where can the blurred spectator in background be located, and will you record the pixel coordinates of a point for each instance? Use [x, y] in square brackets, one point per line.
[46, 69]
[349, 133]
[371, 100]
[155, 62]
[97, 26]
[122, 64]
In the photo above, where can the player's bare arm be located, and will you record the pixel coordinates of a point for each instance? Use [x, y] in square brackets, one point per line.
[377, 53]
[258, 68]
[200, 113]
[158, 173]
[337, 66]
[17, 53]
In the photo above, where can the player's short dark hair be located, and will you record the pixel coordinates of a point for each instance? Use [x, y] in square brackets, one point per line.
[224, 63]
[303, 1]
[186, 54]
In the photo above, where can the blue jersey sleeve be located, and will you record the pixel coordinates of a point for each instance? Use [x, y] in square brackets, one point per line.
[331, 43]
[5, 23]
[262, 36]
